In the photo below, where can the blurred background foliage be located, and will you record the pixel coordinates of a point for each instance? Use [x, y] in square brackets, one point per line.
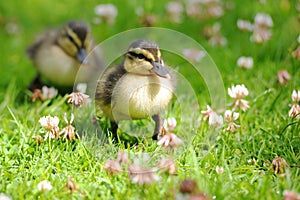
[265, 132]
[22, 21]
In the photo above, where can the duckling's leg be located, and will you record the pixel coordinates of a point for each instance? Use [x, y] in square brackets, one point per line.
[159, 127]
[36, 83]
[114, 129]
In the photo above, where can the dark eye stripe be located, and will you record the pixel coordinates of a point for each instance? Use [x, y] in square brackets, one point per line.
[139, 56]
[72, 40]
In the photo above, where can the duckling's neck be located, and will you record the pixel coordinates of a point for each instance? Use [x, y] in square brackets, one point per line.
[140, 74]
[150, 84]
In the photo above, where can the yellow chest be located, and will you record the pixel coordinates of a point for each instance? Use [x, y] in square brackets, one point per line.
[59, 68]
[137, 97]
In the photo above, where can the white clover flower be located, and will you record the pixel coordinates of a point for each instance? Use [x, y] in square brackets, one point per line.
[215, 120]
[44, 186]
[245, 62]
[49, 93]
[49, 122]
[44, 94]
[107, 11]
[260, 28]
[295, 108]
[218, 40]
[214, 35]
[207, 113]
[170, 141]
[175, 10]
[261, 35]
[294, 111]
[279, 165]
[78, 99]
[295, 96]
[283, 77]
[170, 124]
[194, 54]
[174, 7]
[230, 116]
[69, 130]
[232, 127]
[210, 31]
[192, 9]
[262, 24]
[244, 25]
[215, 10]
[298, 39]
[204, 8]
[263, 20]
[238, 91]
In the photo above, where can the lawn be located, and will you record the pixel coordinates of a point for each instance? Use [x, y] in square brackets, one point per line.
[252, 153]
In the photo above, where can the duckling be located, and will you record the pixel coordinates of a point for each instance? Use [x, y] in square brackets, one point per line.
[139, 87]
[58, 54]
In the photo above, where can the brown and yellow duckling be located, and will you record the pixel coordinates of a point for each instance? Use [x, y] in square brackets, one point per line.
[59, 53]
[139, 87]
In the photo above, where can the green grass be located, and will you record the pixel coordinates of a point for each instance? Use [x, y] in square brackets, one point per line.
[266, 130]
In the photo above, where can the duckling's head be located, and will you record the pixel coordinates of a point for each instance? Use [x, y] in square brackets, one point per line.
[75, 40]
[143, 57]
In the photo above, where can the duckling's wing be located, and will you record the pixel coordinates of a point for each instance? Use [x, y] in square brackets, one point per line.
[45, 39]
[107, 82]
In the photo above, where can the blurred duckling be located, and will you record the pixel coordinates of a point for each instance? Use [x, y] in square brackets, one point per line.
[58, 54]
[139, 87]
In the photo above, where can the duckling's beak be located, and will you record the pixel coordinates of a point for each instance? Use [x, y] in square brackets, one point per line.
[160, 70]
[81, 56]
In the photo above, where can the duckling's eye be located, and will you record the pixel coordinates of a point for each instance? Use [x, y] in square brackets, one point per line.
[141, 56]
[70, 38]
[138, 55]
